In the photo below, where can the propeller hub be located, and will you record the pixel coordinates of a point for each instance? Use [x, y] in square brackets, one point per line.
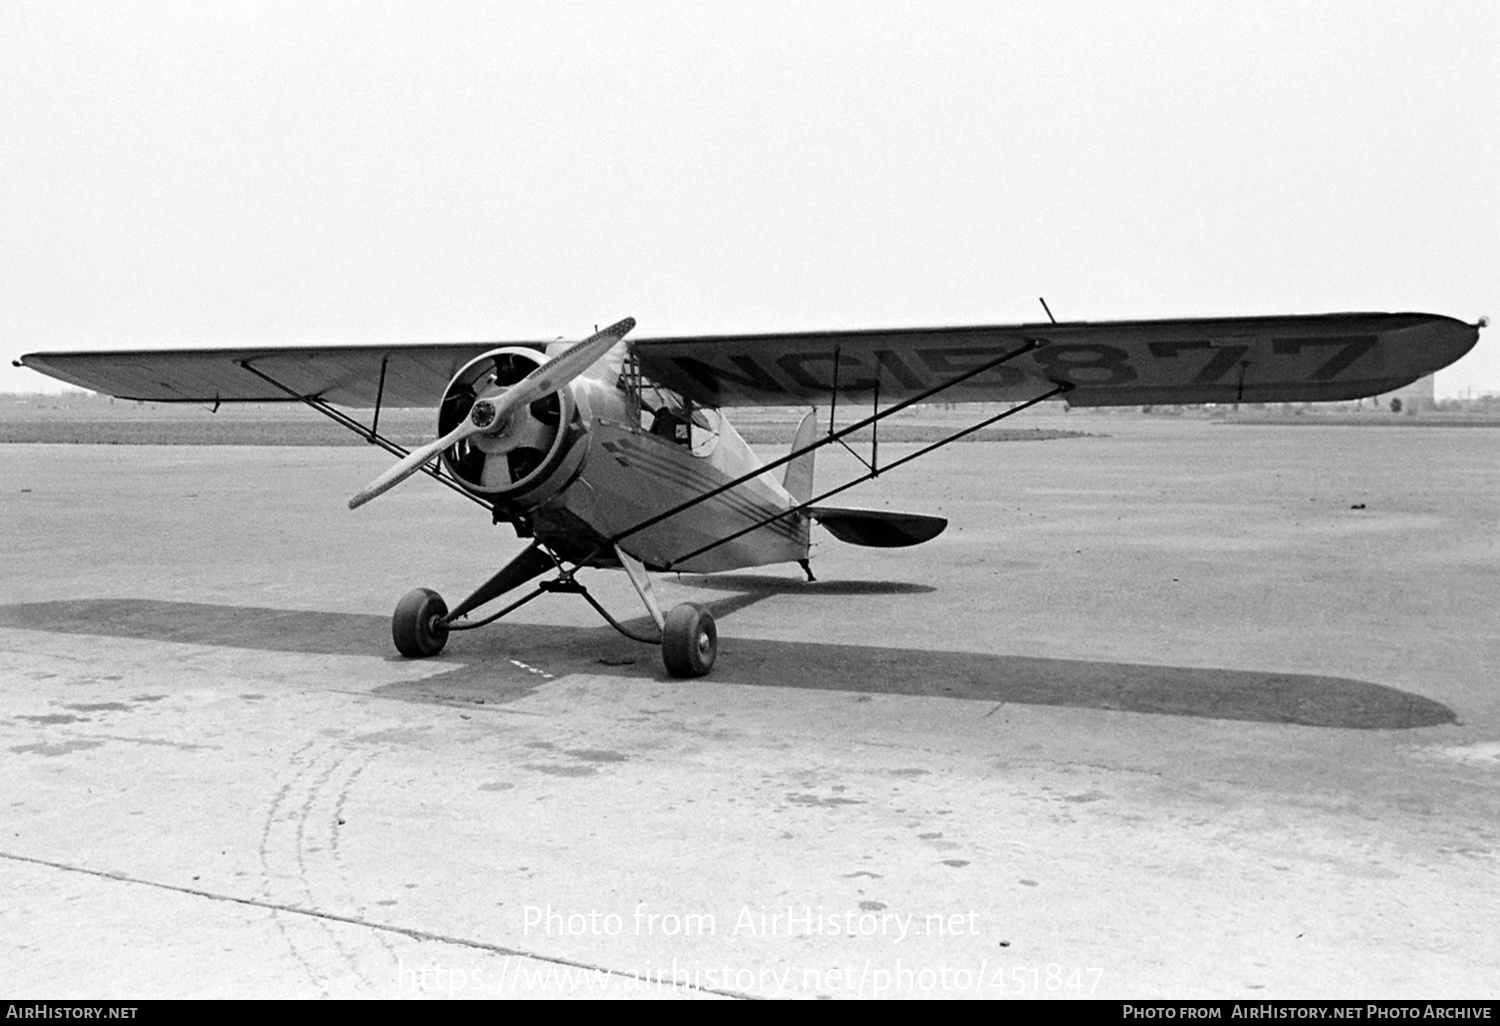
[483, 414]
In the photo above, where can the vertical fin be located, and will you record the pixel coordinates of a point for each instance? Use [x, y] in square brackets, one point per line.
[799, 473]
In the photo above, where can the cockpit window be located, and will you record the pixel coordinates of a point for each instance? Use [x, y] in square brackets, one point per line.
[666, 414]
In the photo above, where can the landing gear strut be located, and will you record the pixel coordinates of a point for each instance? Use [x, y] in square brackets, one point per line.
[688, 637]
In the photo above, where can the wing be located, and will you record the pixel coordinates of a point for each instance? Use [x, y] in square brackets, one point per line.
[1122, 363]
[414, 374]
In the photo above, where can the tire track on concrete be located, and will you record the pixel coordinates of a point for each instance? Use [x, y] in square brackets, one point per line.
[352, 899]
[301, 845]
[272, 818]
[313, 796]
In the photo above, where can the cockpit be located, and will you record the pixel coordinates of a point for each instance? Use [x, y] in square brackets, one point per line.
[665, 414]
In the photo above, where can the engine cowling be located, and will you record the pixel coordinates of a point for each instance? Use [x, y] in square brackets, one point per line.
[527, 454]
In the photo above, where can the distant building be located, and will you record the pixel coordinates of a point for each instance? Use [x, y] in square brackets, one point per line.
[1417, 397]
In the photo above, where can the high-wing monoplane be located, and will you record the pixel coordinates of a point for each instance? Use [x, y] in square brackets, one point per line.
[615, 453]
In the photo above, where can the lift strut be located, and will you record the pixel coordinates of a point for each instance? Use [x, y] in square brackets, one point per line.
[1059, 389]
[835, 436]
[369, 434]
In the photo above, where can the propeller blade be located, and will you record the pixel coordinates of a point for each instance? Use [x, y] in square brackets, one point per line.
[413, 462]
[561, 369]
[491, 410]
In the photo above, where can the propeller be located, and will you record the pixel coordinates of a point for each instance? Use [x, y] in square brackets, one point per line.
[494, 406]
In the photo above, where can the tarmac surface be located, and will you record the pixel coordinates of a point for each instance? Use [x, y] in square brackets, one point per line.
[1184, 710]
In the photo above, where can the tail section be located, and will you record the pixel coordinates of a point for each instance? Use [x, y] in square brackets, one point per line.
[876, 528]
[798, 479]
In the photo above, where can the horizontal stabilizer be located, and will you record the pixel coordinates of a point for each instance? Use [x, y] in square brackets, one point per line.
[877, 528]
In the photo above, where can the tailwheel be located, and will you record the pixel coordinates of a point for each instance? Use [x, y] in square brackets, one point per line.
[416, 627]
[689, 641]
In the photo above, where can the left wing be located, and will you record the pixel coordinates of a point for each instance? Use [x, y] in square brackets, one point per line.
[413, 374]
[1122, 363]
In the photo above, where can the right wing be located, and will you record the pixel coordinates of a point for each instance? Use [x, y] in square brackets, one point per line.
[1316, 358]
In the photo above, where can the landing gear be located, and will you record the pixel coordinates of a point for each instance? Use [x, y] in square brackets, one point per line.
[689, 641]
[688, 637]
[416, 627]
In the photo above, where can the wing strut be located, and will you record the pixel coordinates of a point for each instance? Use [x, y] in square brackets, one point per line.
[833, 403]
[369, 434]
[1058, 389]
[837, 436]
[379, 397]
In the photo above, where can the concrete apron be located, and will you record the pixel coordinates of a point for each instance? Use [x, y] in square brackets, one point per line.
[198, 820]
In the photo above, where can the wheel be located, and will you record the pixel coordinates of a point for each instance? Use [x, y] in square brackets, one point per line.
[414, 627]
[689, 642]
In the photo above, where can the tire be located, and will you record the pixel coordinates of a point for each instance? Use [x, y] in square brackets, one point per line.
[414, 626]
[689, 642]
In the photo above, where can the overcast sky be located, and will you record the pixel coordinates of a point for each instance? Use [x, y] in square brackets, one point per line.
[202, 173]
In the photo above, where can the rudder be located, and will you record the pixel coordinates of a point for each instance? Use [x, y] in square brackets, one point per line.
[798, 479]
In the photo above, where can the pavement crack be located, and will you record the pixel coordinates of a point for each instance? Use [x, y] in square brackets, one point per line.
[333, 917]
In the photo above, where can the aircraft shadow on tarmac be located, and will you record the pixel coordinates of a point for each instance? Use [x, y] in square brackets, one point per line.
[765, 585]
[483, 667]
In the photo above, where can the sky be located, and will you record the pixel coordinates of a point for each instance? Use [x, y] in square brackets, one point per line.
[220, 173]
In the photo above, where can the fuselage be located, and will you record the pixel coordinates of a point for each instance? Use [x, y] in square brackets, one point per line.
[630, 462]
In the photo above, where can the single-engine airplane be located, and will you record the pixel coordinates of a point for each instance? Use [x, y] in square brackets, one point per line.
[614, 453]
